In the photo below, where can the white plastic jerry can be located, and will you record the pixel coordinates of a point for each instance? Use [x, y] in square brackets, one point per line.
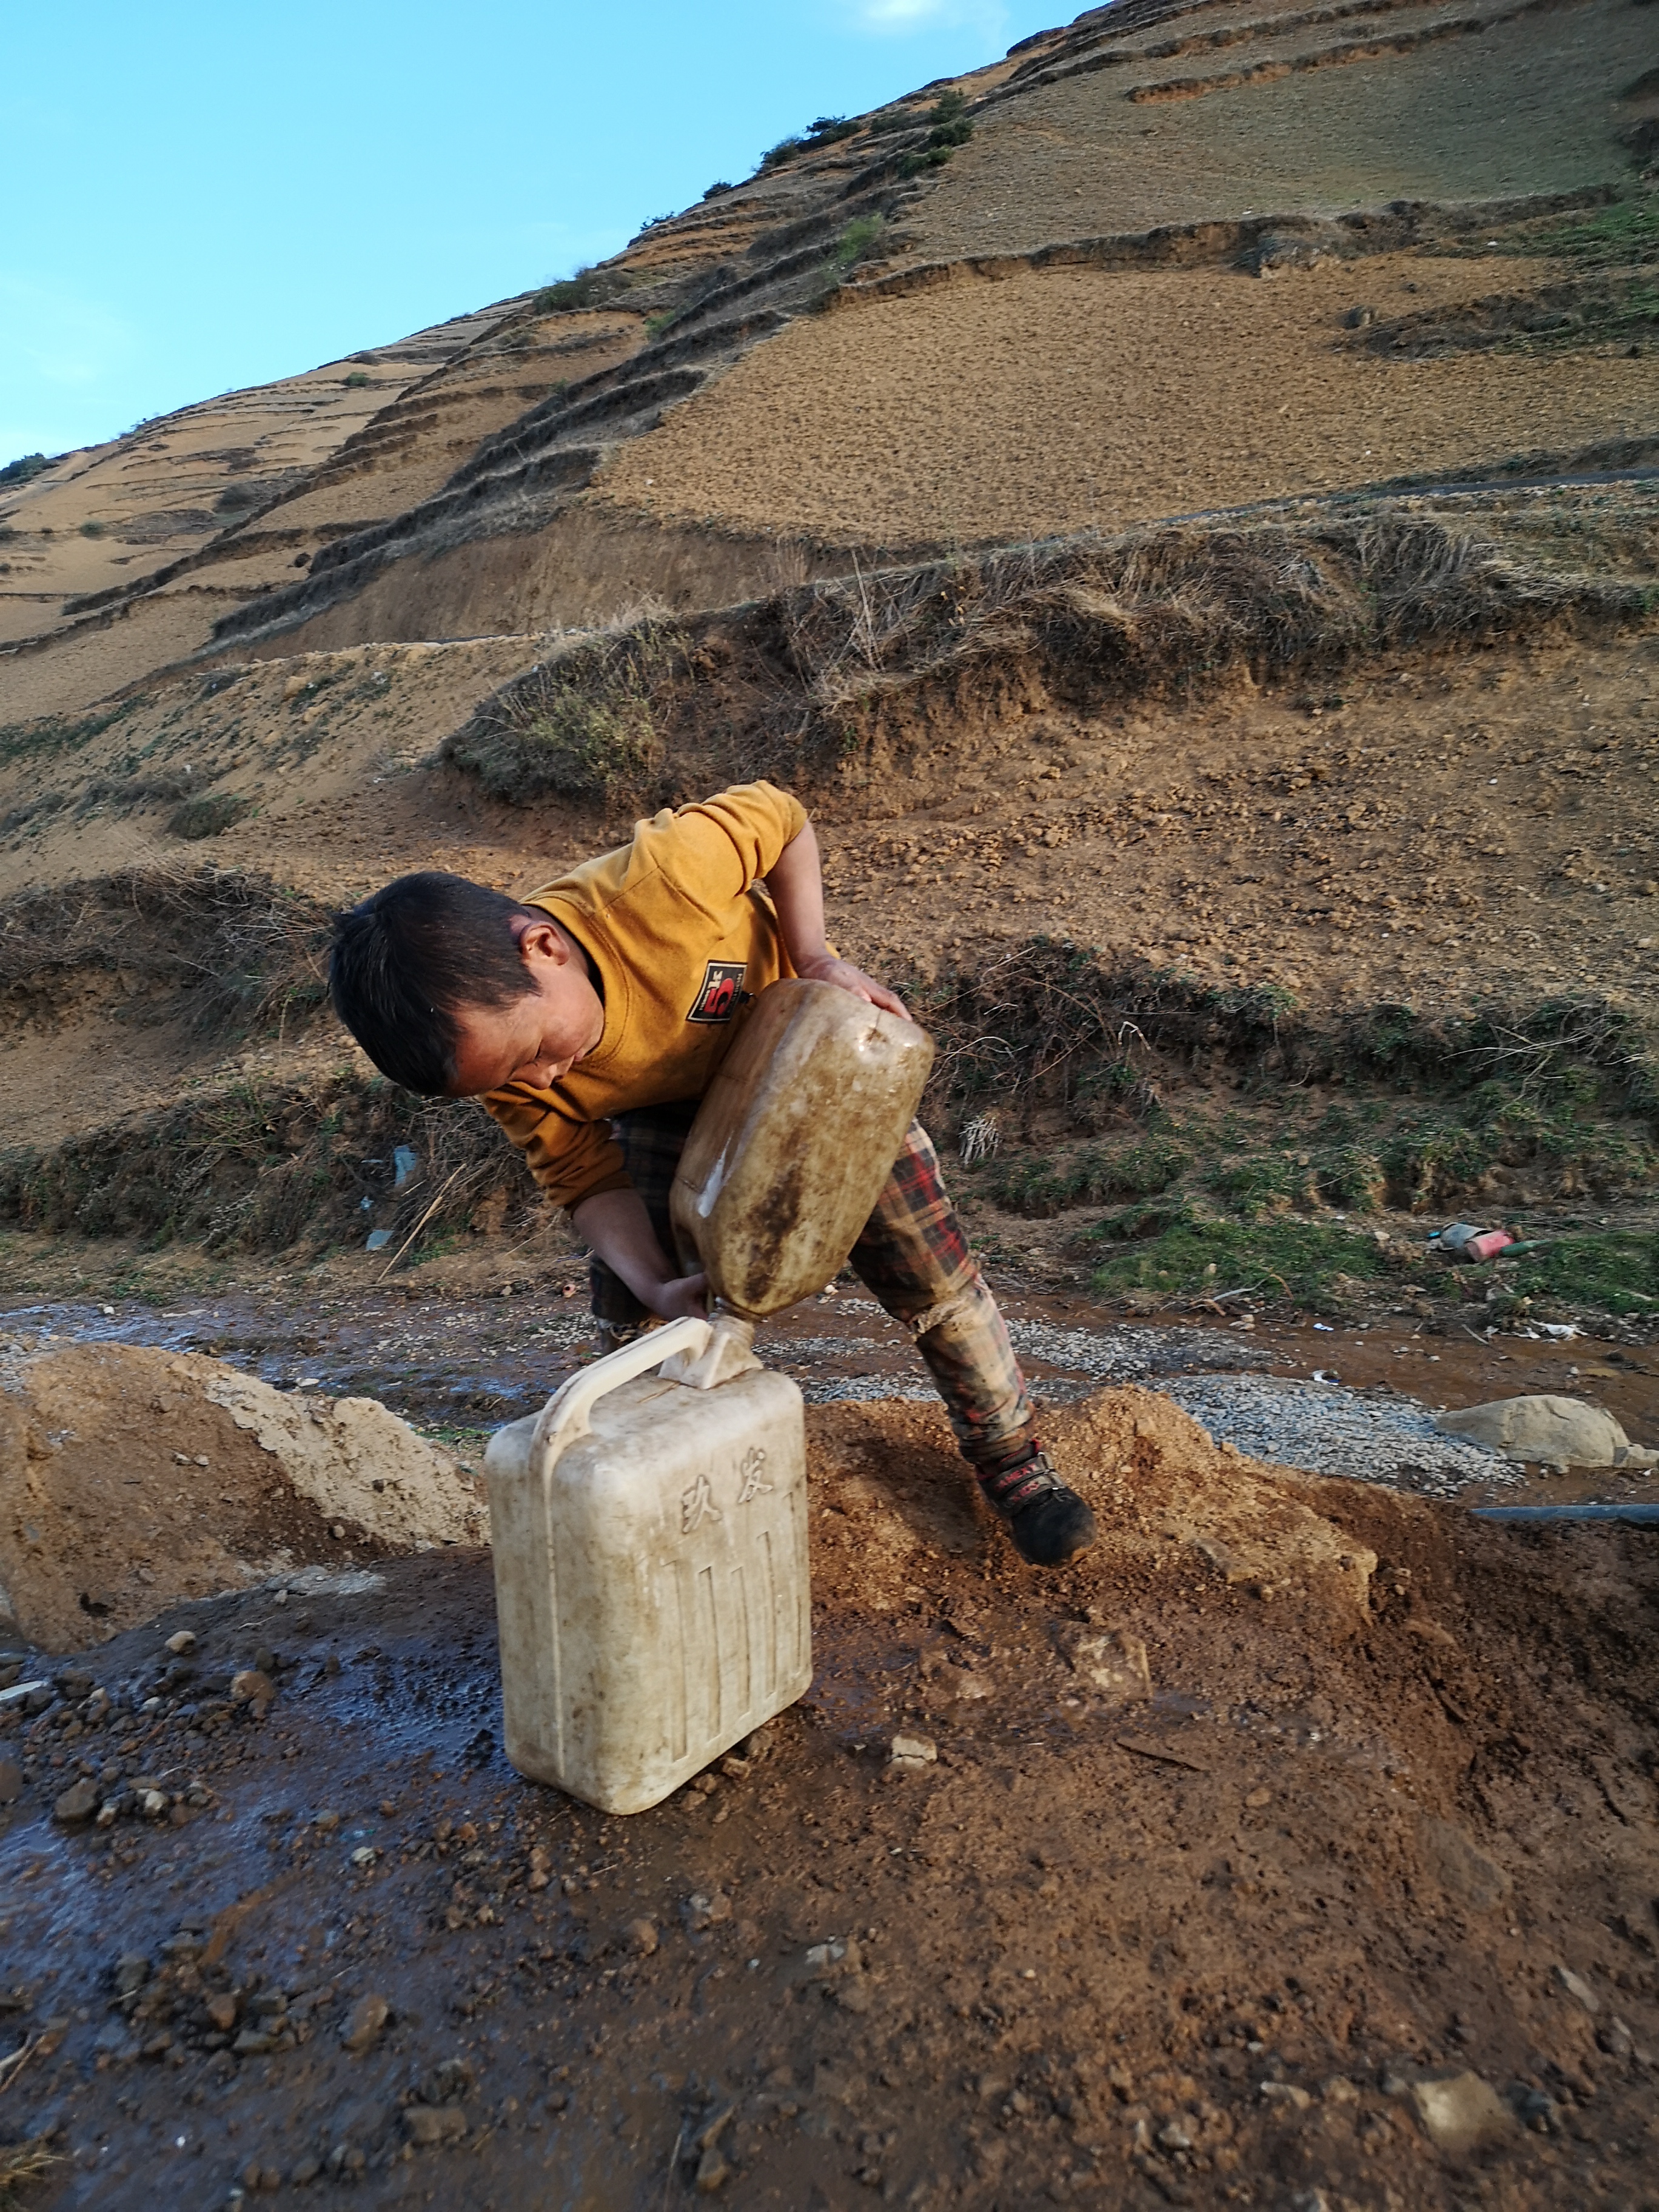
[651, 1570]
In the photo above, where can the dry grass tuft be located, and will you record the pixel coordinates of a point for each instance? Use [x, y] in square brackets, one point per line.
[234, 951]
[21, 2163]
[859, 672]
[264, 1167]
[585, 723]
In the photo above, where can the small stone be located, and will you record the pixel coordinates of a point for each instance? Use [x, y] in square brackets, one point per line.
[701, 1912]
[912, 1751]
[1461, 1870]
[221, 2011]
[78, 1802]
[1616, 2040]
[1462, 2113]
[426, 2126]
[152, 1804]
[364, 2022]
[1173, 2135]
[1258, 1798]
[253, 2043]
[1112, 1661]
[131, 1972]
[1578, 1989]
[326, 1821]
[364, 1856]
[181, 1640]
[713, 2171]
[249, 1687]
[640, 1937]
[1338, 2090]
[1285, 2092]
[306, 2173]
[11, 1782]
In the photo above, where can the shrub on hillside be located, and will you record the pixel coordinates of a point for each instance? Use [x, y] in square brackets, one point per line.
[588, 288]
[27, 466]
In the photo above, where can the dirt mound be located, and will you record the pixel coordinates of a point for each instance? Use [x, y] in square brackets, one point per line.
[1165, 1495]
[131, 1479]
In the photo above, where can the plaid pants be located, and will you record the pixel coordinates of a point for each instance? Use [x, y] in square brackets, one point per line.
[911, 1255]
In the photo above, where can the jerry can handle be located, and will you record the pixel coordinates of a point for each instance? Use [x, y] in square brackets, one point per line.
[563, 1420]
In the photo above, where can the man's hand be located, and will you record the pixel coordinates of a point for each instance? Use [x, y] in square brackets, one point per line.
[686, 1294]
[827, 969]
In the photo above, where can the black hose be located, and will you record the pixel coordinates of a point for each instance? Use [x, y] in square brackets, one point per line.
[1639, 1517]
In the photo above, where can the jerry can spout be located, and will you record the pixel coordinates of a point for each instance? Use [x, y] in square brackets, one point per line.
[728, 1351]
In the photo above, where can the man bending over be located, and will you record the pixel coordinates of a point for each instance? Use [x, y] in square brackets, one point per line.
[591, 1017]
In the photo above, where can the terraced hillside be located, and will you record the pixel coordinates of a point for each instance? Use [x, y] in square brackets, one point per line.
[1066, 476]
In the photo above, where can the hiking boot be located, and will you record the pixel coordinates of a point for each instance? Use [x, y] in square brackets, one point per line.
[1048, 1522]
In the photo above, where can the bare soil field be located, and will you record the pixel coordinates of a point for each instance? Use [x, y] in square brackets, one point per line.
[1530, 107]
[1064, 399]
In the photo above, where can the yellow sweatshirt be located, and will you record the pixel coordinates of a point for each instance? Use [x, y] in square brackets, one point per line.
[683, 939]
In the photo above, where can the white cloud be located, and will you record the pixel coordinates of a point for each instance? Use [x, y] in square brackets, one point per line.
[899, 17]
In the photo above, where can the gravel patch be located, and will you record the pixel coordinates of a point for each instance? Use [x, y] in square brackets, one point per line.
[1367, 1436]
[1129, 1355]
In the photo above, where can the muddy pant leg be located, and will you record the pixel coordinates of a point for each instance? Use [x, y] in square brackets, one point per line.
[652, 1139]
[913, 1255]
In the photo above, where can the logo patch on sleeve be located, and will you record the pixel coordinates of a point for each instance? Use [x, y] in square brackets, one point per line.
[722, 989]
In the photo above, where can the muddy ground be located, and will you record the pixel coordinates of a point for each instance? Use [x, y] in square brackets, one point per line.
[1216, 1945]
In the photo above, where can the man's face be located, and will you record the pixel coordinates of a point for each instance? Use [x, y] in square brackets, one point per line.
[538, 1038]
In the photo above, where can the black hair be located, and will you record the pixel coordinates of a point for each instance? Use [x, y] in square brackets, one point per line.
[407, 960]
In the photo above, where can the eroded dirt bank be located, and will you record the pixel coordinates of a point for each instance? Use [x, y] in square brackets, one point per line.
[1211, 1946]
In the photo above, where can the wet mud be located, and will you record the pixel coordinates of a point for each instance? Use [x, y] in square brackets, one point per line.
[1224, 1943]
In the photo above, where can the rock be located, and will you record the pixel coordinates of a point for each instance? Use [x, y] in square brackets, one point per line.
[1287, 2093]
[640, 1936]
[181, 1640]
[11, 1782]
[253, 2043]
[701, 1912]
[1578, 1989]
[250, 1687]
[1359, 319]
[1554, 1431]
[912, 1752]
[426, 2126]
[713, 2171]
[1111, 1661]
[1616, 2040]
[1461, 2113]
[364, 2022]
[1463, 1871]
[221, 2011]
[78, 1802]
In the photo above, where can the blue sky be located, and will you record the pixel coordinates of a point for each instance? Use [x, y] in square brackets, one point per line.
[200, 196]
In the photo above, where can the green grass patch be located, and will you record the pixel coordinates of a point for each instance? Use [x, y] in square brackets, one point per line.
[1613, 1270]
[857, 242]
[1044, 1187]
[1300, 1260]
[1623, 234]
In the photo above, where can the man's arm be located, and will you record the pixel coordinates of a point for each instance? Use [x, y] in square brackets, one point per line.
[796, 882]
[615, 1224]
